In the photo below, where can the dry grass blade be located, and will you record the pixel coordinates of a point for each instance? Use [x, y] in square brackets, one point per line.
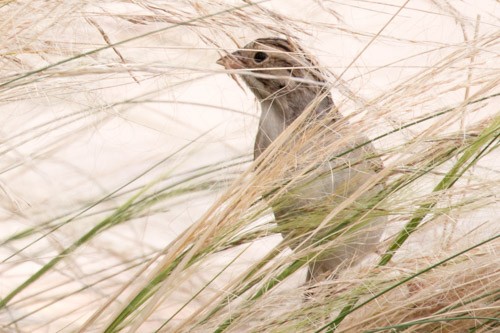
[130, 202]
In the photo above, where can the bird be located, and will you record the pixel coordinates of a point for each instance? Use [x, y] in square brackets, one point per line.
[287, 81]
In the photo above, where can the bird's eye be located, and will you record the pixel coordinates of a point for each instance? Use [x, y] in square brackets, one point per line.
[259, 57]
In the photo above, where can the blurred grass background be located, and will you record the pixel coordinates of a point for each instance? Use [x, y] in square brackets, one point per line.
[129, 201]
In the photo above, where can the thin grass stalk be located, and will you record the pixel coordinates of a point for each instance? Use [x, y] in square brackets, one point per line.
[333, 325]
[121, 214]
[294, 266]
[257, 286]
[468, 159]
[402, 327]
[8, 83]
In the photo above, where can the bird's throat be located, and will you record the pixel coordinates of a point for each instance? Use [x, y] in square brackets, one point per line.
[271, 124]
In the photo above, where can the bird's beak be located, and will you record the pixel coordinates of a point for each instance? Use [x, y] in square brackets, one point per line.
[221, 61]
[230, 62]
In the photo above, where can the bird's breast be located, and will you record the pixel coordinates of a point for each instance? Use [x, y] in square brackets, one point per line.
[272, 122]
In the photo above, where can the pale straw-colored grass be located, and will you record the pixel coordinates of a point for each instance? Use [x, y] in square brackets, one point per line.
[130, 202]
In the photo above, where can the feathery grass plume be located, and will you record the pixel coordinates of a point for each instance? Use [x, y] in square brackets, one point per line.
[130, 202]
